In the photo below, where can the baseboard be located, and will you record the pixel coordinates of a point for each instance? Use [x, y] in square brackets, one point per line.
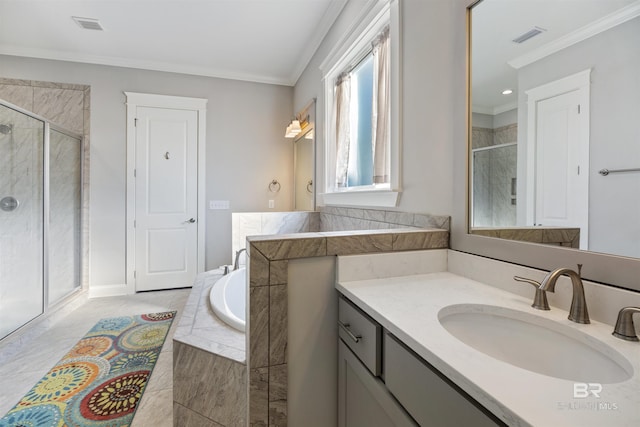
[110, 291]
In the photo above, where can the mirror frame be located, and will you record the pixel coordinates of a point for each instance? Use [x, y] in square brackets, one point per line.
[618, 271]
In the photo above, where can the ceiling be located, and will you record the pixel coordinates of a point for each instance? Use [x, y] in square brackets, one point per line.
[495, 23]
[267, 41]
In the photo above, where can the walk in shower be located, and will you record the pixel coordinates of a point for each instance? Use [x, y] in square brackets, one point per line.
[494, 185]
[40, 211]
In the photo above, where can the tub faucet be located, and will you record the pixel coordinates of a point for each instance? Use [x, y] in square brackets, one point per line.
[236, 264]
[578, 311]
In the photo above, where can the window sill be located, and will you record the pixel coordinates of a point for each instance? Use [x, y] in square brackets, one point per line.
[368, 198]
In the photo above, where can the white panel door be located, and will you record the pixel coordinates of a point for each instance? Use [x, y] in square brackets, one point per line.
[561, 165]
[166, 237]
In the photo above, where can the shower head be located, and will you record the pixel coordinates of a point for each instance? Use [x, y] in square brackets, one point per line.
[6, 129]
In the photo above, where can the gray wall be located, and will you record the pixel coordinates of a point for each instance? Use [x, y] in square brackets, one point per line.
[506, 118]
[492, 122]
[245, 149]
[614, 58]
[427, 105]
[482, 120]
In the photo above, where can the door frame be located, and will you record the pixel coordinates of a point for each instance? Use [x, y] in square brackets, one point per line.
[133, 101]
[580, 82]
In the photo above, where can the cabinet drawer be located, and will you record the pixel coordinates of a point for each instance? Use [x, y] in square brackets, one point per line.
[429, 399]
[361, 334]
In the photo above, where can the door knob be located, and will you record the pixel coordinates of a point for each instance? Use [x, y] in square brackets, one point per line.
[191, 220]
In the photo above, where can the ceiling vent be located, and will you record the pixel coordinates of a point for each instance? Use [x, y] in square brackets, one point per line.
[528, 35]
[88, 23]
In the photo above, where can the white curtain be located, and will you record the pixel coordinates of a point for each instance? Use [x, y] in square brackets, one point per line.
[381, 108]
[342, 100]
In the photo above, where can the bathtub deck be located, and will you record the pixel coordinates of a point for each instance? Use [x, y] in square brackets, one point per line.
[200, 328]
[209, 365]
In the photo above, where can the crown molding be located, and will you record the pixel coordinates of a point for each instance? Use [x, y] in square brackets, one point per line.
[316, 39]
[605, 23]
[492, 111]
[370, 9]
[58, 55]
[333, 11]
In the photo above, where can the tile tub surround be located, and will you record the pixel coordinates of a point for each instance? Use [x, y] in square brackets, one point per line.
[210, 371]
[268, 310]
[327, 218]
[517, 396]
[266, 223]
[344, 219]
[67, 105]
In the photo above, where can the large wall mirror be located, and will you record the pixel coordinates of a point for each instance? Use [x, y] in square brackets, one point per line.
[554, 139]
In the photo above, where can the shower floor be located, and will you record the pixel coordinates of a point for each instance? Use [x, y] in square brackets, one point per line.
[37, 355]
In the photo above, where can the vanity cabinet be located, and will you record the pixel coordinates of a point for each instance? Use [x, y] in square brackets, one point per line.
[383, 383]
[426, 394]
[363, 399]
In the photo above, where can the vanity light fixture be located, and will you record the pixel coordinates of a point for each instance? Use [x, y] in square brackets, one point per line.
[300, 122]
[507, 92]
[293, 129]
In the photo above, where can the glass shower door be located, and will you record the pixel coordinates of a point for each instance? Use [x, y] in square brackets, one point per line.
[494, 186]
[63, 241]
[21, 219]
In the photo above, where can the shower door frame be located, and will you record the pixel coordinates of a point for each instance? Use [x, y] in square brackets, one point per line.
[47, 181]
[48, 127]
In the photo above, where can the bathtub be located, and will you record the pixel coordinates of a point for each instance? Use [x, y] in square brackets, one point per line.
[228, 298]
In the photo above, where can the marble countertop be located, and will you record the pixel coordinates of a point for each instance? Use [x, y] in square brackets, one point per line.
[408, 307]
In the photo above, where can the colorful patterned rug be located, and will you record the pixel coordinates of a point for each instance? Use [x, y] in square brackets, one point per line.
[101, 380]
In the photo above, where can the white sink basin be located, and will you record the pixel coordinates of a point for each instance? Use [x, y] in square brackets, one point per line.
[534, 343]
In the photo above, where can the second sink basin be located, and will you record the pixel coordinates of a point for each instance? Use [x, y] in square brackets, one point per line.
[534, 343]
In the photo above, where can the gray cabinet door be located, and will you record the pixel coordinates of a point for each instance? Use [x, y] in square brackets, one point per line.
[363, 400]
[428, 398]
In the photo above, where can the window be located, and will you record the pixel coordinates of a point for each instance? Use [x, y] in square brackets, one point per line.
[361, 91]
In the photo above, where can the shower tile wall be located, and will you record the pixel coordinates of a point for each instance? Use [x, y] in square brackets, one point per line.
[67, 105]
[505, 134]
[493, 172]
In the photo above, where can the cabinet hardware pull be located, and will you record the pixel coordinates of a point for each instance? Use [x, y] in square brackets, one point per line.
[345, 327]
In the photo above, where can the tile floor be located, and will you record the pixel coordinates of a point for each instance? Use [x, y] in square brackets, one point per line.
[40, 353]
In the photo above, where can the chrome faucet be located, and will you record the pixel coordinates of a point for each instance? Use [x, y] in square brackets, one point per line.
[578, 311]
[236, 264]
[540, 299]
[624, 326]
